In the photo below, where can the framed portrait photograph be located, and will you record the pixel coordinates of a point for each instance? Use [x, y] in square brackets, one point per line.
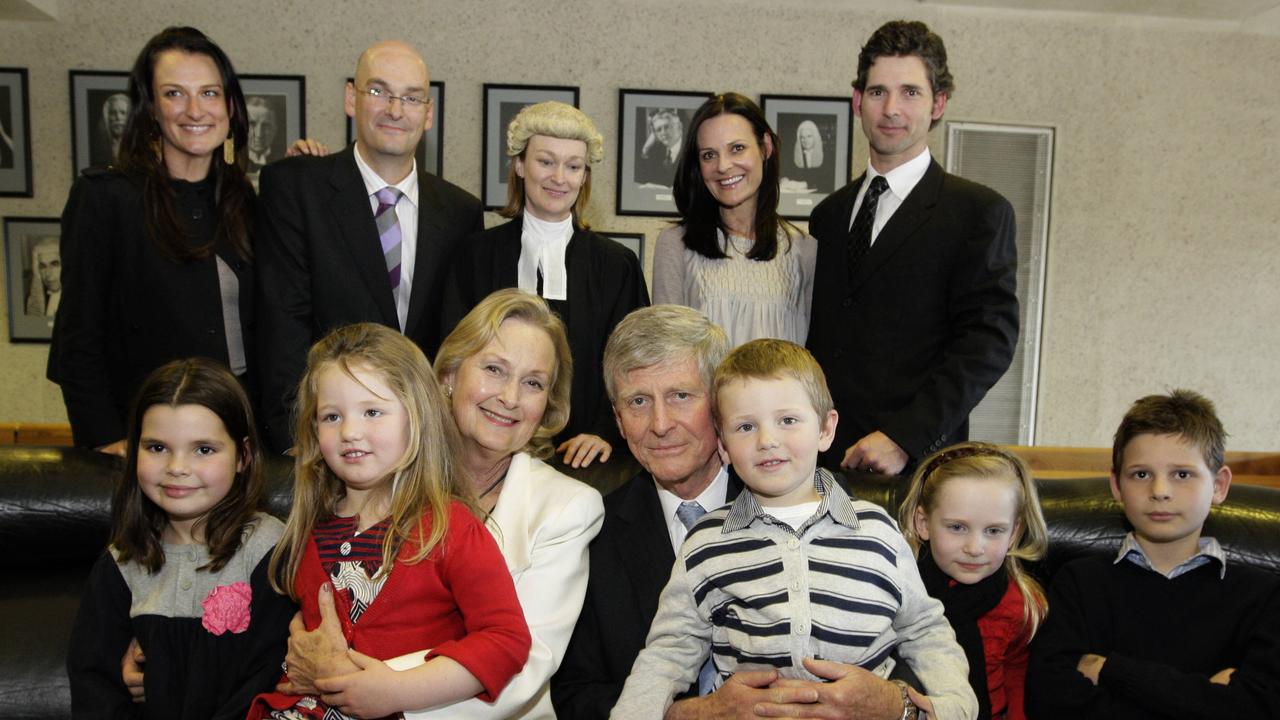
[15, 134]
[430, 153]
[651, 128]
[815, 136]
[33, 272]
[277, 108]
[631, 241]
[501, 103]
[99, 110]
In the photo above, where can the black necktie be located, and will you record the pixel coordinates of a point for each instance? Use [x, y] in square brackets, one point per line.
[860, 232]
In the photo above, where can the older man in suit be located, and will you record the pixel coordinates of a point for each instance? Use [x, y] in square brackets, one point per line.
[363, 235]
[658, 367]
[914, 311]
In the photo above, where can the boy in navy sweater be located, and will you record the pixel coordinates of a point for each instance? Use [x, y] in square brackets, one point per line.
[1164, 629]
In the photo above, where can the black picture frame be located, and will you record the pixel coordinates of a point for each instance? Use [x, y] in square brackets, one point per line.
[31, 305]
[430, 152]
[15, 133]
[278, 102]
[501, 103]
[809, 175]
[99, 107]
[632, 241]
[642, 165]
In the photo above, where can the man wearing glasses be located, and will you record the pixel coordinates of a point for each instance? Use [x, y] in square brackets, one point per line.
[363, 235]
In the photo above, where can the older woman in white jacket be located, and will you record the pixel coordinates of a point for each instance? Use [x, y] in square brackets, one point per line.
[507, 369]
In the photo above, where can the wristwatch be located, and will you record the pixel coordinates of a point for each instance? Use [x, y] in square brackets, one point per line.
[909, 709]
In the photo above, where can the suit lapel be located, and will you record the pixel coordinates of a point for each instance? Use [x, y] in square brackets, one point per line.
[351, 214]
[645, 542]
[911, 214]
[430, 252]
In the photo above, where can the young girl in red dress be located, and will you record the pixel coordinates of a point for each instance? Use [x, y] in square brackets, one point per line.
[381, 519]
[973, 515]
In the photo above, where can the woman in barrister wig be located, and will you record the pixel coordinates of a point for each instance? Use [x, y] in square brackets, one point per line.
[591, 282]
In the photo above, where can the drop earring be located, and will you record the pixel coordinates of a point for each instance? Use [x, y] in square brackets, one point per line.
[229, 151]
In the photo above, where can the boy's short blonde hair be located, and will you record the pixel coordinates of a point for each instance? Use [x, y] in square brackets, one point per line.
[767, 359]
[1182, 412]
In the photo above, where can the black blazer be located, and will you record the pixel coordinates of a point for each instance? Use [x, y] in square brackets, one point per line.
[126, 308]
[320, 266]
[927, 324]
[605, 283]
[631, 561]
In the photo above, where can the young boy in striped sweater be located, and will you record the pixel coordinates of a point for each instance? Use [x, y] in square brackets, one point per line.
[794, 569]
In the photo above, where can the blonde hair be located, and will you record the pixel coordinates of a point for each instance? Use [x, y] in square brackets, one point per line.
[557, 120]
[480, 326]
[1030, 538]
[768, 358]
[425, 480]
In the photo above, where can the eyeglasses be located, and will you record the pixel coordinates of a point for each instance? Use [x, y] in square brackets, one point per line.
[381, 96]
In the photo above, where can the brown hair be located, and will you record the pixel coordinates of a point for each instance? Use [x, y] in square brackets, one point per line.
[1030, 538]
[900, 38]
[1182, 412]
[137, 523]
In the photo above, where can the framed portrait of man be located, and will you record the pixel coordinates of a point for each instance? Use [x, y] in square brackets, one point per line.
[651, 129]
[276, 105]
[15, 134]
[33, 273]
[815, 136]
[430, 153]
[501, 104]
[99, 110]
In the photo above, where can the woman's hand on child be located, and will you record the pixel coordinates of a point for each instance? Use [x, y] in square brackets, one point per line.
[580, 450]
[316, 653]
[1090, 666]
[131, 671]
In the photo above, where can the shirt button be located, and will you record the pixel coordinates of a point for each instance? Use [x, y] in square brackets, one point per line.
[847, 302]
[186, 584]
[795, 585]
[345, 549]
[793, 543]
[801, 628]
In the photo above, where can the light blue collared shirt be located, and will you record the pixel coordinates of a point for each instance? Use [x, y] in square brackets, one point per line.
[1209, 551]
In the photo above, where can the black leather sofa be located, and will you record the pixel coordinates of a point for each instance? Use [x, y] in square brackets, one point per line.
[54, 508]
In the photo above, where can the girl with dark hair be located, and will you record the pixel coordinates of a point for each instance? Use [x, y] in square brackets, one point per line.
[186, 572]
[731, 256]
[157, 262]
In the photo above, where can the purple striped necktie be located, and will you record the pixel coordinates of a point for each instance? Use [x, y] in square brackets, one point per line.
[389, 232]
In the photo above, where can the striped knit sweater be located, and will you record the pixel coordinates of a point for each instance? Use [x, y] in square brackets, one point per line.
[757, 594]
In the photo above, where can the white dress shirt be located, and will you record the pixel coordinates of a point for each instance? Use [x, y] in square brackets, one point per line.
[710, 499]
[902, 180]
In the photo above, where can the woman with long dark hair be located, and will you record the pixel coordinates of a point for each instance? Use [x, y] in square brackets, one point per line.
[156, 254]
[731, 256]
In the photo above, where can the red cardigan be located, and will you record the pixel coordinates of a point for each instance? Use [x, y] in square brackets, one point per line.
[1004, 643]
[459, 601]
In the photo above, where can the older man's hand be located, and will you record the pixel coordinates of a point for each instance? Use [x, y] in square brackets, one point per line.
[316, 653]
[747, 694]
[852, 693]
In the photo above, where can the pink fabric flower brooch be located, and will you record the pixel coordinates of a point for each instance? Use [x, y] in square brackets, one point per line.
[226, 608]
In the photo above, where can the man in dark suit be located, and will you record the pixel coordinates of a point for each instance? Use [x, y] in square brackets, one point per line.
[914, 312]
[658, 366]
[359, 236]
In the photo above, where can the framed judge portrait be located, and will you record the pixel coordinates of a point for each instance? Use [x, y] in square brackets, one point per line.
[651, 128]
[33, 273]
[501, 104]
[276, 105]
[815, 136]
[15, 134]
[430, 152]
[99, 110]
